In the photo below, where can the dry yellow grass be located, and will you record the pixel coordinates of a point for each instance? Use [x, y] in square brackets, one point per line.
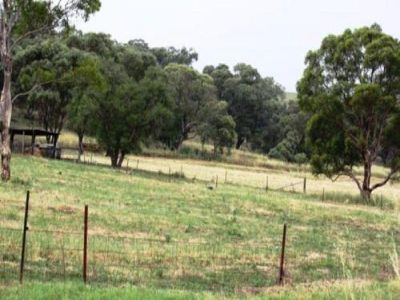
[241, 167]
[243, 175]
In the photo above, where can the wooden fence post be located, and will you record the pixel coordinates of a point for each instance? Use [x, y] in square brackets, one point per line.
[25, 229]
[305, 185]
[85, 243]
[226, 176]
[267, 184]
[282, 263]
[216, 181]
[323, 194]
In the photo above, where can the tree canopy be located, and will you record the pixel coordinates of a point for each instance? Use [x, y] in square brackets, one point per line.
[351, 88]
[253, 102]
[20, 20]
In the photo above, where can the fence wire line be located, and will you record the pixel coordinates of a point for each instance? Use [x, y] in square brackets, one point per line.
[149, 253]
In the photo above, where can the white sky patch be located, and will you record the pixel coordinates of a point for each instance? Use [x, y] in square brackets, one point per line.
[272, 35]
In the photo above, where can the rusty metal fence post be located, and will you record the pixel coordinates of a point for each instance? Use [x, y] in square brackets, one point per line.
[85, 243]
[25, 229]
[282, 263]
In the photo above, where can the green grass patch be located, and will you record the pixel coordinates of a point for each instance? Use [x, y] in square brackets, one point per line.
[156, 232]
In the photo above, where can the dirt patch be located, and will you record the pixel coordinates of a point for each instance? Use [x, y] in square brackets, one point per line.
[63, 209]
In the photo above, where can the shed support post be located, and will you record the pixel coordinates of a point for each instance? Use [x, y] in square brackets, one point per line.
[33, 143]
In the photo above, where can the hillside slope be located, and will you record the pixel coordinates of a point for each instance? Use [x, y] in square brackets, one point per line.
[162, 232]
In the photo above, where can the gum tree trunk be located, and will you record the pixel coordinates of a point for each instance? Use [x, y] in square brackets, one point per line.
[6, 111]
[239, 142]
[80, 151]
[8, 18]
[366, 190]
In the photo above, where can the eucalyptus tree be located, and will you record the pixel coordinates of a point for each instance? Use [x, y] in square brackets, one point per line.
[217, 127]
[253, 102]
[351, 88]
[19, 20]
[68, 73]
[129, 112]
[193, 93]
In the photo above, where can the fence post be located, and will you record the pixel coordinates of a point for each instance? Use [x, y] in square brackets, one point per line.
[25, 229]
[127, 166]
[216, 181]
[323, 194]
[282, 264]
[85, 242]
[226, 176]
[267, 185]
[305, 185]
[137, 165]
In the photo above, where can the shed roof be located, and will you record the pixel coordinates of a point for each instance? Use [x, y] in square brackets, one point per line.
[32, 132]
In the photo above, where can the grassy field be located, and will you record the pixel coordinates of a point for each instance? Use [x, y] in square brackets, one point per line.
[161, 233]
[289, 178]
[343, 290]
[291, 96]
[242, 168]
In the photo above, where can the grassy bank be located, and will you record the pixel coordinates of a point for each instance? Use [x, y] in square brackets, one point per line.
[152, 231]
[340, 290]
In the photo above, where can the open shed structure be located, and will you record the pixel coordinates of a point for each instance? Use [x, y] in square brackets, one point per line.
[49, 150]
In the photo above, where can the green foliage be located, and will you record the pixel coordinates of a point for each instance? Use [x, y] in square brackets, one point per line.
[42, 17]
[300, 158]
[194, 94]
[351, 87]
[56, 76]
[217, 126]
[100, 44]
[254, 103]
[130, 112]
[292, 125]
[171, 55]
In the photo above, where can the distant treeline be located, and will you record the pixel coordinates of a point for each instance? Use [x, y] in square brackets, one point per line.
[131, 94]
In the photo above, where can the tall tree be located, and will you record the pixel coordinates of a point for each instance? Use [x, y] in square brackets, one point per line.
[193, 92]
[291, 123]
[253, 101]
[351, 88]
[220, 74]
[89, 86]
[21, 19]
[130, 112]
[217, 127]
[67, 72]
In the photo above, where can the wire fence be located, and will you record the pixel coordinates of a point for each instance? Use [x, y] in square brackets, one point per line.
[217, 176]
[214, 177]
[55, 250]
